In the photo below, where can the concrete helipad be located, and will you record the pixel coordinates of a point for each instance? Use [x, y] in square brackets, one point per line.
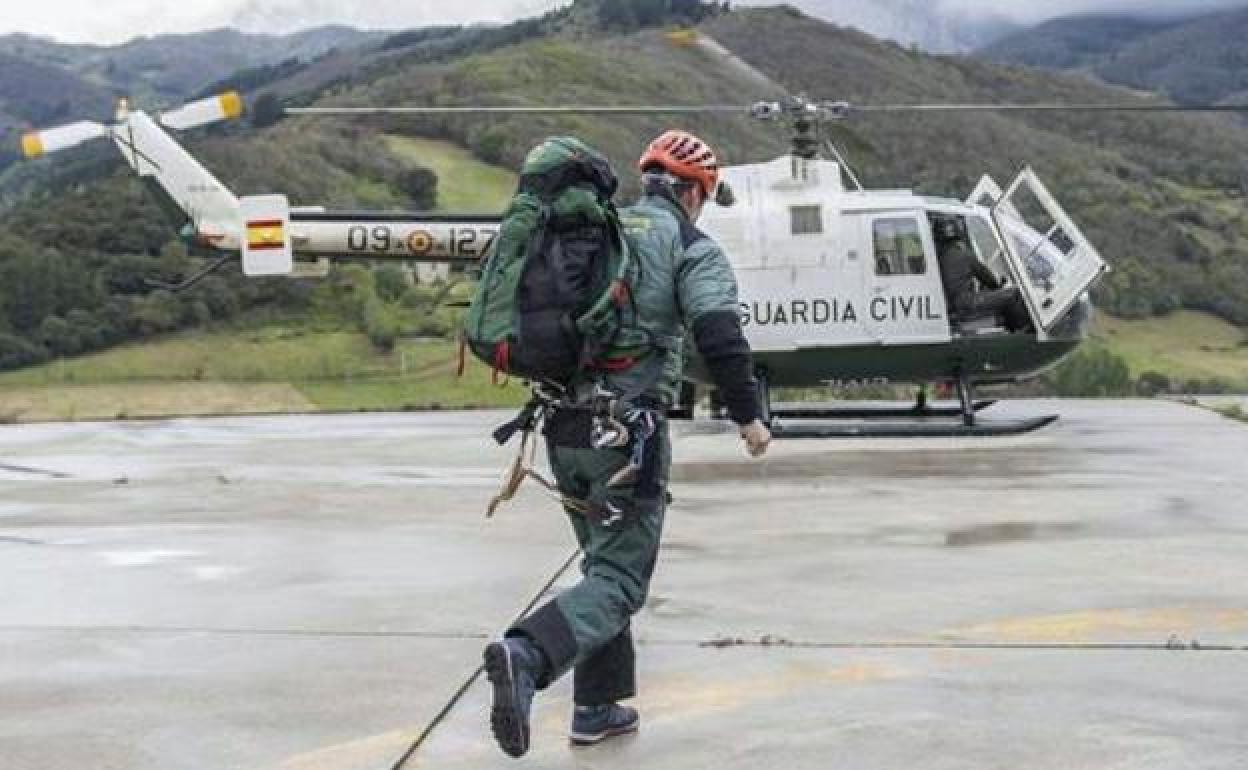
[310, 592]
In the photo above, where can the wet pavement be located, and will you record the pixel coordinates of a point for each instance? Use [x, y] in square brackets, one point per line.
[310, 592]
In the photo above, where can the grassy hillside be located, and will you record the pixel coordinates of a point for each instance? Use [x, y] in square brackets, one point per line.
[1162, 196]
[1185, 346]
[466, 185]
[641, 68]
[271, 368]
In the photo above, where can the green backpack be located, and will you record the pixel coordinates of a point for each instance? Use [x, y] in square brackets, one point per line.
[558, 280]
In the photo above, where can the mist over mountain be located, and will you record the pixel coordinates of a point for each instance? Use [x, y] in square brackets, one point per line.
[1191, 60]
[170, 67]
[929, 25]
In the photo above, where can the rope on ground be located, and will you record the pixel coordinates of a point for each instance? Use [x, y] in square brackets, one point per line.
[472, 679]
[34, 471]
[1173, 644]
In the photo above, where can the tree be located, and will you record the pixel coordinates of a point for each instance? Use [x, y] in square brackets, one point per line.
[382, 325]
[59, 336]
[420, 185]
[391, 283]
[267, 110]
[17, 352]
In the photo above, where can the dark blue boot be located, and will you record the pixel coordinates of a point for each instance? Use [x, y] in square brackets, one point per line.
[514, 667]
[594, 724]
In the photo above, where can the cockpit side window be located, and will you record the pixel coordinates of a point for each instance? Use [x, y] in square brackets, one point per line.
[899, 247]
[987, 247]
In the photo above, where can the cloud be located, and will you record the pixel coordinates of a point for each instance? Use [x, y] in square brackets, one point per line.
[287, 15]
[118, 20]
[1030, 11]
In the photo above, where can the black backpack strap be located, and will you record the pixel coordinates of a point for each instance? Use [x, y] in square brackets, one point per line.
[525, 421]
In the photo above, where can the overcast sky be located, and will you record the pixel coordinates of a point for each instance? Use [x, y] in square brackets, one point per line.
[112, 21]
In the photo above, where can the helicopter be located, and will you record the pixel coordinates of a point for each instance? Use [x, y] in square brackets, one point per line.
[839, 284]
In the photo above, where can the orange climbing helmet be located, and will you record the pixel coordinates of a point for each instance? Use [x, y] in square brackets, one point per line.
[682, 154]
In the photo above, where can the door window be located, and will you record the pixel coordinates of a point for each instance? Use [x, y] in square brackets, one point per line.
[899, 247]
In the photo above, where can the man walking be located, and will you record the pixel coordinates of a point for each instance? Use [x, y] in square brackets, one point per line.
[686, 281]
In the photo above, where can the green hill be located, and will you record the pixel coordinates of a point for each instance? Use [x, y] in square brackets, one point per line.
[270, 368]
[1162, 196]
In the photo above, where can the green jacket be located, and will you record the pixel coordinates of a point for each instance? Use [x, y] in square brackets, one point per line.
[684, 277]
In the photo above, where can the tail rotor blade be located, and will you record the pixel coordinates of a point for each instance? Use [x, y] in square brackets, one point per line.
[226, 106]
[38, 143]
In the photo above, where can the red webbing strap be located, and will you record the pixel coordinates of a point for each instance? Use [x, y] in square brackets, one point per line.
[502, 362]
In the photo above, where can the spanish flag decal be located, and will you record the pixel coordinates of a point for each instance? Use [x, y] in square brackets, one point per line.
[266, 234]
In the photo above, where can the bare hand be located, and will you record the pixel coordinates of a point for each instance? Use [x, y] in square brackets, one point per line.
[756, 437]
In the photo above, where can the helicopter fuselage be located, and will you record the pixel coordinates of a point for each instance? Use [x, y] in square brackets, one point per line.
[835, 285]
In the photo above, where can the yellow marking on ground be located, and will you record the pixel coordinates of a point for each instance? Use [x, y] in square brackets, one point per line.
[1094, 625]
[693, 695]
[370, 752]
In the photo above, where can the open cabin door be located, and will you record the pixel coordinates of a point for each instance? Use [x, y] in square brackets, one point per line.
[1048, 256]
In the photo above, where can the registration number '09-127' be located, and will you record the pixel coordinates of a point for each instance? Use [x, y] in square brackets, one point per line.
[455, 242]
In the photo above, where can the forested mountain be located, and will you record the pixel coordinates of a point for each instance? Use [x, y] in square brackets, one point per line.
[43, 82]
[1163, 196]
[167, 68]
[1194, 60]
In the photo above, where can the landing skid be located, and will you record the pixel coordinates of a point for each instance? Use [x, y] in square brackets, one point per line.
[813, 429]
[864, 412]
[795, 421]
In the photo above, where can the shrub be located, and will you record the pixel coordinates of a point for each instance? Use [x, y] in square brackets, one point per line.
[1095, 373]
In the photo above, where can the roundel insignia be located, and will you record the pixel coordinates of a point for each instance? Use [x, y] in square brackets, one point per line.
[420, 242]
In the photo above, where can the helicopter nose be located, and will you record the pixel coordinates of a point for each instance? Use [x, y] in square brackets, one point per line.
[1077, 323]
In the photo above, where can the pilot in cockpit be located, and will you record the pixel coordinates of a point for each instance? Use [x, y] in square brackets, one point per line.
[973, 291]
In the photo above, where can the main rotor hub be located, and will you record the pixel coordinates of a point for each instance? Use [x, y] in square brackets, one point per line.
[806, 118]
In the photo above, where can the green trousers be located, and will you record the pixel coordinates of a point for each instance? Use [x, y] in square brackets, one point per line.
[587, 627]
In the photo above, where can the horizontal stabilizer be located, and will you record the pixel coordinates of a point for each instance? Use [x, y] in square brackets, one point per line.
[226, 106]
[37, 143]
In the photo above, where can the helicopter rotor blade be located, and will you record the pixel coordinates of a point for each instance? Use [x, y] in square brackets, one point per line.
[767, 110]
[886, 108]
[501, 110]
